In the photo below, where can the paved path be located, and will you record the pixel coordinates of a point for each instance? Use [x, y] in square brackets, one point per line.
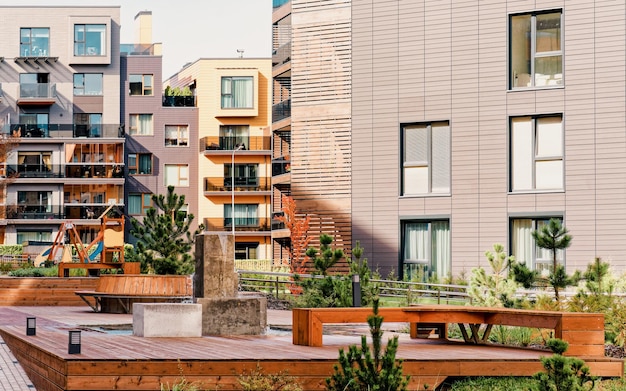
[12, 376]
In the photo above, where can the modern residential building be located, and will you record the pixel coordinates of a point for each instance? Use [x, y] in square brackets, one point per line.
[60, 75]
[161, 131]
[312, 116]
[233, 99]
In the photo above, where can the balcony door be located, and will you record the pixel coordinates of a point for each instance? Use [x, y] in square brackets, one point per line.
[34, 124]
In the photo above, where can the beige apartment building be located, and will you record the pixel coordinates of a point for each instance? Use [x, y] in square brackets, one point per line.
[463, 124]
[233, 101]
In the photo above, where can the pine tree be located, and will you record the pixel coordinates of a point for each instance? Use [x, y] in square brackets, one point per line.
[554, 237]
[164, 241]
[361, 369]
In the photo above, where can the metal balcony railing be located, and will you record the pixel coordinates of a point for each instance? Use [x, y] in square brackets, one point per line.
[241, 184]
[179, 101]
[20, 171]
[48, 212]
[64, 130]
[280, 166]
[281, 110]
[251, 143]
[222, 224]
[35, 170]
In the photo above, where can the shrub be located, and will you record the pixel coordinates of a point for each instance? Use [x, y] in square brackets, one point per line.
[563, 373]
[256, 380]
[11, 249]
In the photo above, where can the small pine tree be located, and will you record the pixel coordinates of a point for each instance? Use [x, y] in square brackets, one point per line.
[364, 369]
[164, 241]
[554, 237]
[326, 257]
[563, 373]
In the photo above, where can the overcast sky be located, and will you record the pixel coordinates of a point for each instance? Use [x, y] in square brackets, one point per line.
[191, 29]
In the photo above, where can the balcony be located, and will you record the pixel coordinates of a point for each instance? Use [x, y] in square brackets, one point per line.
[242, 184]
[131, 49]
[281, 110]
[179, 101]
[35, 212]
[82, 211]
[21, 171]
[64, 131]
[37, 94]
[243, 224]
[219, 145]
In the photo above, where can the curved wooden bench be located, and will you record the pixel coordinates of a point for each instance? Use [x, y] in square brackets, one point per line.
[117, 292]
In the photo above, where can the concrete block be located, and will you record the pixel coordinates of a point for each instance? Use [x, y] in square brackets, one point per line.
[241, 315]
[215, 274]
[167, 320]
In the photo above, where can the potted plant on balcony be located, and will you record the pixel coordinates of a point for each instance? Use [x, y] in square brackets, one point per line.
[177, 97]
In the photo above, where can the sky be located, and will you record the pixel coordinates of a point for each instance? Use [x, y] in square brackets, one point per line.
[191, 29]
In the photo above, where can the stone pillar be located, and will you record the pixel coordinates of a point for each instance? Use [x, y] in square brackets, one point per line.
[224, 310]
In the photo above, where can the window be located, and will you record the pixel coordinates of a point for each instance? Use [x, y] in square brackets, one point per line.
[536, 153]
[140, 125]
[33, 124]
[140, 163]
[536, 50]
[245, 215]
[523, 245]
[34, 42]
[245, 175]
[426, 154]
[34, 163]
[237, 92]
[233, 136]
[426, 249]
[177, 175]
[34, 236]
[87, 125]
[88, 84]
[176, 135]
[34, 204]
[245, 250]
[139, 203]
[140, 84]
[89, 40]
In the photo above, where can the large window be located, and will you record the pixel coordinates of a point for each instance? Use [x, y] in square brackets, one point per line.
[34, 204]
[536, 50]
[33, 236]
[89, 40]
[139, 203]
[88, 84]
[246, 215]
[234, 136]
[246, 250]
[176, 135]
[33, 124]
[245, 175]
[177, 175]
[426, 159]
[35, 85]
[536, 153]
[426, 249]
[140, 125]
[87, 125]
[524, 248]
[140, 84]
[140, 163]
[237, 92]
[34, 42]
[34, 163]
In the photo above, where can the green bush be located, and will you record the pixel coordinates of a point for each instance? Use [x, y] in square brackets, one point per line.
[494, 384]
[11, 249]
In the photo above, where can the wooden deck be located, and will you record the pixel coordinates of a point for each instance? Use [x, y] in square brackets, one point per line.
[126, 362]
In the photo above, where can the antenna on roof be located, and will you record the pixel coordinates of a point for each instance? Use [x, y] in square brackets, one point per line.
[240, 51]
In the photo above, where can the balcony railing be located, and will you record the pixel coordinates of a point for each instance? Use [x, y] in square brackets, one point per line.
[282, 54]
[37, 90]
[280, 166]
[241, 224]
[179, 101]
[64, 130]
[140, 49]
[277, 224]
[48, 212]
[252, 143]
[241, 184]
[20, 171]
[281, 110]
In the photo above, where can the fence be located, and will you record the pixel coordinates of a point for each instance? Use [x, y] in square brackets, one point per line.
[277, 285]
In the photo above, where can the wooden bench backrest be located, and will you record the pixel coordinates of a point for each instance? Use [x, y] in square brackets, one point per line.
[148, 285]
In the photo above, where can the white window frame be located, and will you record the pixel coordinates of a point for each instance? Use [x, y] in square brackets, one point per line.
[429, 173]
[182, 135]
[424, 257]
[177, 175]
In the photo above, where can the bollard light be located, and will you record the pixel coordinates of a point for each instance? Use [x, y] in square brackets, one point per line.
[356, 290]
[74, 342]
[31, 326]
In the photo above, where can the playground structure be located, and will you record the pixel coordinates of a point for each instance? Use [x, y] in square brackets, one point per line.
[106, 250]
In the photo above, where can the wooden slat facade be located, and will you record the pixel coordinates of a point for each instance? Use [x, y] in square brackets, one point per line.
[44, 291]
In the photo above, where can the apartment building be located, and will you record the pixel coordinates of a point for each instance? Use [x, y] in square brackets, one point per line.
[161, 131]
[475, 123]
[233, 99]
[60, 75]
[312, 116]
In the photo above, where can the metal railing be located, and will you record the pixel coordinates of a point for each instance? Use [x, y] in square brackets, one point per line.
[281, 110]
[64, 130]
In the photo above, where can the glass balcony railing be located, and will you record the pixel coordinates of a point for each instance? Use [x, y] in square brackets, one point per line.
[49, 212]
[64, 130]
[241, 224]
[179, 101]
[37, 90]
[241, 184]
[92, 170]
[281, 110]
[251, 143]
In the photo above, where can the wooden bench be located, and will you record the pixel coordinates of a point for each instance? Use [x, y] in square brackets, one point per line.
[125, 267]
[583, 331]
[117, 292]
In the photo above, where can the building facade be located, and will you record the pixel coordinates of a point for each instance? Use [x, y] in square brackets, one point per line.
[60, 75]
[233, 99]
[475, 123]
